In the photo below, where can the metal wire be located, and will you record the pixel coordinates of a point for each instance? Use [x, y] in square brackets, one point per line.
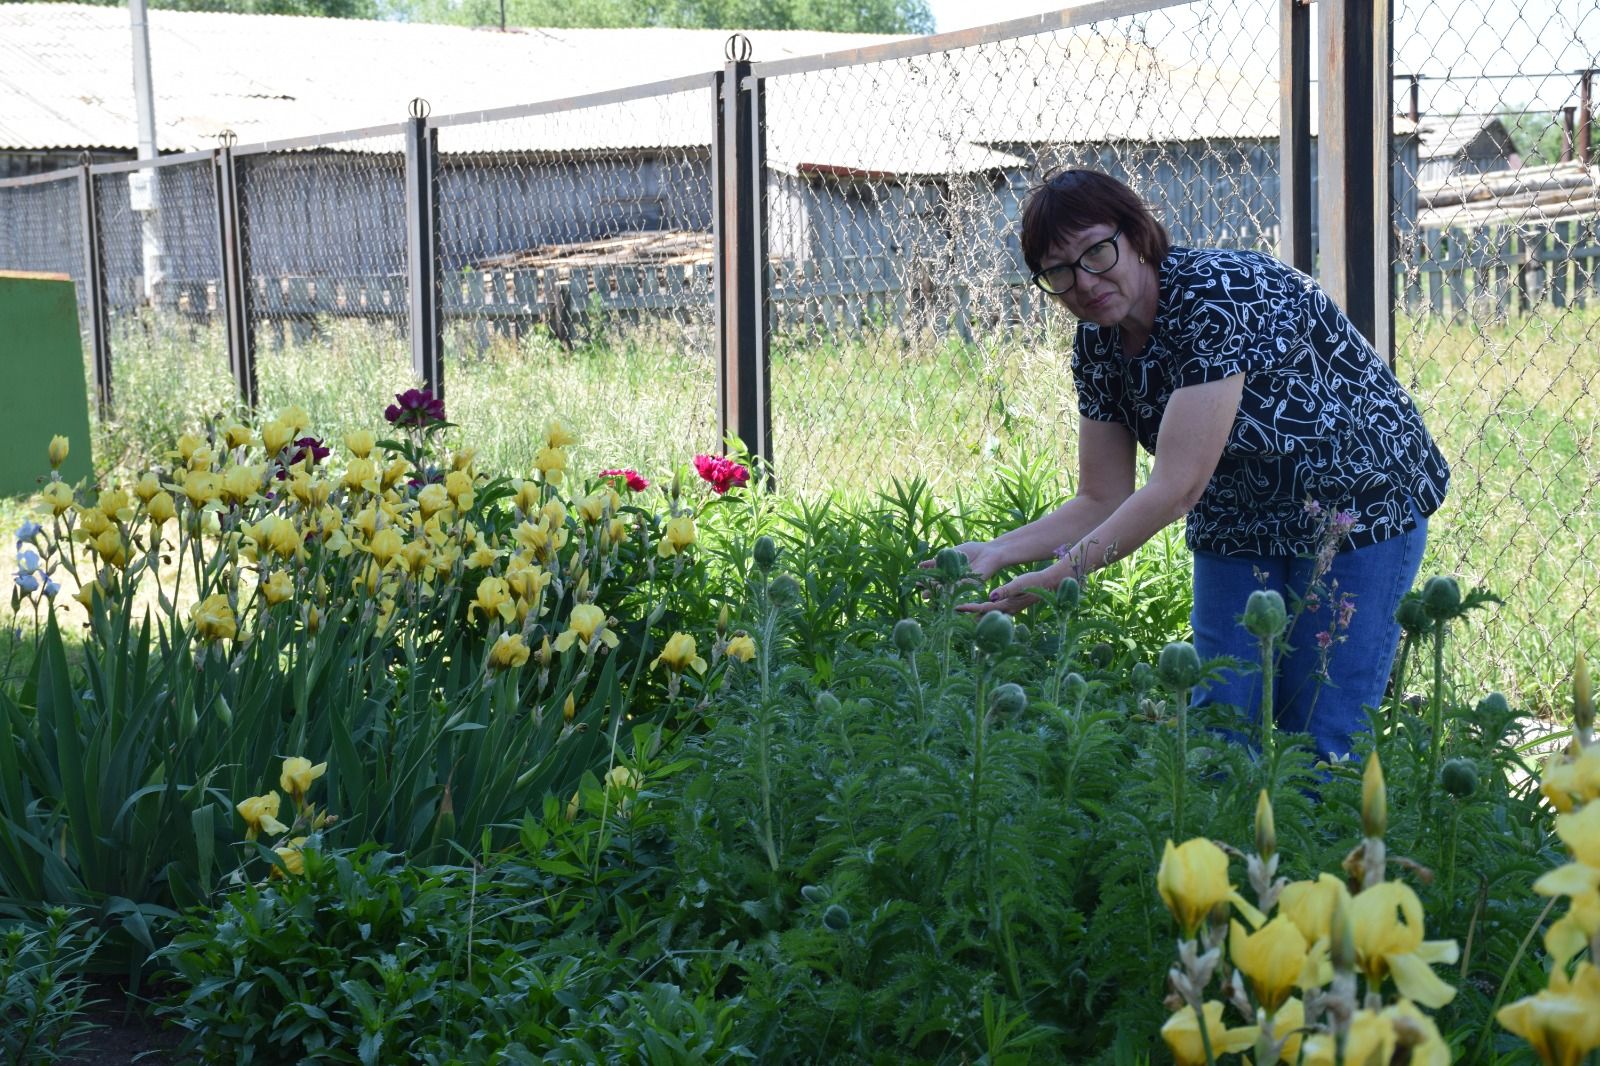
[908, 339]
[41, 229]
[1498, 315]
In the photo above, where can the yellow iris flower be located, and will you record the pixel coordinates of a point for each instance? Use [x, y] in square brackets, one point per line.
[1182, 1035]
[1272, 958]
[679, 655]
[586, 624]
[213, 618]
[509, 652]
[1386, 921]
[678, 535]
[297, 776]
[260, 814]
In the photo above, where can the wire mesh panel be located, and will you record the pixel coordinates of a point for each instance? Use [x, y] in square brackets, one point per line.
[158, 229]
[41, 229]
[324, 234]
[1498, 313]
[907, 339]
[577, 252]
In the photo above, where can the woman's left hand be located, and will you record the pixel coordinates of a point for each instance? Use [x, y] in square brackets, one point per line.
[1019, 592]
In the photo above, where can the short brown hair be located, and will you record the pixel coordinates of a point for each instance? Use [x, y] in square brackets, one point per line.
[1070, 201]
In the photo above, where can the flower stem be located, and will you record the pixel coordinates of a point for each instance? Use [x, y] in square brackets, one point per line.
[1436, 707]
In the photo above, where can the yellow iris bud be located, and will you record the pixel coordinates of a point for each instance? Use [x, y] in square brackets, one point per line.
[1374, 799]
[59, 446]
[161, 508]
[147, 487]
[1192, 880]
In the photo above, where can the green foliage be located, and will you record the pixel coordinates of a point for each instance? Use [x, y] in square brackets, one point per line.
[866, 16]
[339, 9]
[42, 990]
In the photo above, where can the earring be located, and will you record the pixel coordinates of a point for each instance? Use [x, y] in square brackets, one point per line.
[1141, 259]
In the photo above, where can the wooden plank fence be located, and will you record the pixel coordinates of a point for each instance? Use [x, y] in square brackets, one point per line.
[1455, 272]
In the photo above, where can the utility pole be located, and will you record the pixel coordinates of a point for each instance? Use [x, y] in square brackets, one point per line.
[142, 184]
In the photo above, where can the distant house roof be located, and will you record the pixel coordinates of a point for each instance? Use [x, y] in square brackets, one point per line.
[1477, 136]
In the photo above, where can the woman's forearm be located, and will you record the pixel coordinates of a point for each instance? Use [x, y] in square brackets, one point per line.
[1047, 537]
[1140, 517]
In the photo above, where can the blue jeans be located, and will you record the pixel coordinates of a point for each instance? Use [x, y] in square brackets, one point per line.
[1322, 691]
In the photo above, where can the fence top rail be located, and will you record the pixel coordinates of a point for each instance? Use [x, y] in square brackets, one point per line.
[687, 83]
[39, 179]
[912, 47]
[322, 140]
[128, 165]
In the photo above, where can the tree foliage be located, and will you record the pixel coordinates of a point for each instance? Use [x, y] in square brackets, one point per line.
[844, 16]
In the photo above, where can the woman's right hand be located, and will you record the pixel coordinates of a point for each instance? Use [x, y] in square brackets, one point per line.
[983, 559]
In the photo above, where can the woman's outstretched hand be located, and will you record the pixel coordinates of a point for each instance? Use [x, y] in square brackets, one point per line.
[1014, 595]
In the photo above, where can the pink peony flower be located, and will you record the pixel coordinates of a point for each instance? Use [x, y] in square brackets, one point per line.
[721, 472]
[630, 477]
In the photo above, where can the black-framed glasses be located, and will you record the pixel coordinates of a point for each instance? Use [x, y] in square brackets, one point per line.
[1098, 258]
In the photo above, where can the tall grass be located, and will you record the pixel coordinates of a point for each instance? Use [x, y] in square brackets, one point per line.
[1512, 404]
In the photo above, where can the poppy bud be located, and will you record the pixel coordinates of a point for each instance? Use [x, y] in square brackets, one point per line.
[1142, 677]
[1178, 666]
[908, 636]
[994, 631]
[836, 918]
[1074, 687]
[784, 590]
[1411, 615]
[765, 553]
[1265, 616]
[826, 703]
[1008, 699]
[1068, 594]
[1459, 777]
[951, 563]
[1493, 705]
[1441, 598]
[815, 893]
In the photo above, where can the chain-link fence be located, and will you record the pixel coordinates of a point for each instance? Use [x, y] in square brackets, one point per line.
[1498, 309]
[907, 337]
[41, 227]
[585, 227]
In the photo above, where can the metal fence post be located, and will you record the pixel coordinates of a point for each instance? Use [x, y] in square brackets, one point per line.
[422, 248]
[743, 325]
[1294, 135]
[94, 281]
[233, 265]
[1353, 161]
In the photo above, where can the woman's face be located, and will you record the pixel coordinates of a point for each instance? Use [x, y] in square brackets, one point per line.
[1124, 292]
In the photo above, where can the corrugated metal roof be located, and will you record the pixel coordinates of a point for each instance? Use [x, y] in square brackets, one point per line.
[1447, 136]
[65, 73]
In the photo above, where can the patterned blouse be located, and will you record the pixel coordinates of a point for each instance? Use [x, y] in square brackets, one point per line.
[1322, 418]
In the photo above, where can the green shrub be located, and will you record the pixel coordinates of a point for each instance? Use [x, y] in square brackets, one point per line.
[42, 988]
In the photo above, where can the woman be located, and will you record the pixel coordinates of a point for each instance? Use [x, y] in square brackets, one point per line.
[1276, 430]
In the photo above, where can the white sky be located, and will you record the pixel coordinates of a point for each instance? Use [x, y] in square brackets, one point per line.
[1448, 40]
